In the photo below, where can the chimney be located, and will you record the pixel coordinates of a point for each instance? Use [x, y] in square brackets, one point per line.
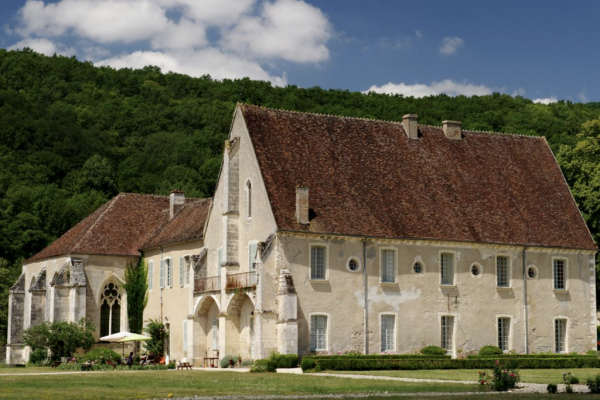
[302, 205]
[409, 121]
[176, 201]
[452, 129]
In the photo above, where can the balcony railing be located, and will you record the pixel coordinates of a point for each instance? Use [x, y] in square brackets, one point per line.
[207, 284]
[241, 280]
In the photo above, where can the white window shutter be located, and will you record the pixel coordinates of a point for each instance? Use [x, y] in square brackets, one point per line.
[215, 334]
[313, 333]
[252, 248]
[162, 273]
[185, 336]
[219, 260]
[181, 272]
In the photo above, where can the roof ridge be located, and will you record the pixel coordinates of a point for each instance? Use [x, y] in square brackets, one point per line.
[110, 204]
[324, 115]
[380, 120]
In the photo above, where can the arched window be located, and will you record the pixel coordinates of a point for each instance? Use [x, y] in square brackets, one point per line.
[248, 199]
[110, 310]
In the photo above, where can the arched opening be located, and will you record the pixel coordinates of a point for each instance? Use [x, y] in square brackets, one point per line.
[110, 309]
[241, 323]
[206, 340]
[248, 198]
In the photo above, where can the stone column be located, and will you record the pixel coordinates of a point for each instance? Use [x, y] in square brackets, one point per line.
[287, 319]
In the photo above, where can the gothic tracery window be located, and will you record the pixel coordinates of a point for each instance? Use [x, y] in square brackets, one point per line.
[110, 310]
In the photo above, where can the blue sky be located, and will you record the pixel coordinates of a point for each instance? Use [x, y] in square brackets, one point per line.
[543, 50]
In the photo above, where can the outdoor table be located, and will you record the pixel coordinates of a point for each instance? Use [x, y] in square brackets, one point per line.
[184, 365]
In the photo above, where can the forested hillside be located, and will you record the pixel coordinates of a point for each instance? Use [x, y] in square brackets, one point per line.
[73, 135]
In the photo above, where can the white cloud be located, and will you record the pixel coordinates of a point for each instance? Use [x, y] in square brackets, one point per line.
[446, 86]
[186, 34]
[418, 34]
[209, 61]
[289, 29]
[211, 12]
[545, 100]
[450, 45]
[44, 46]
[518, 92]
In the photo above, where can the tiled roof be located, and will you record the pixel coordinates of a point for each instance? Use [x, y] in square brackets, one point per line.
[187, 224]
[120, 227]
[367, 178]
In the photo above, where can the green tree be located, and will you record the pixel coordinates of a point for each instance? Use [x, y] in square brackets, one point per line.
[157, 331]
[136, 285]
[60, 337]
[8, 276]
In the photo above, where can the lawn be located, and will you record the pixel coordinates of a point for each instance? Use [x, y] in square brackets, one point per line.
[527, 375]
[158, 384]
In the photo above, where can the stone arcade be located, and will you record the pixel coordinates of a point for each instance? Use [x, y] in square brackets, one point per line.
[331, 234]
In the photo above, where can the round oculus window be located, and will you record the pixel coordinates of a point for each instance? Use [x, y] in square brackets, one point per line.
[475, 270]
[531, 272]
[418, 268]
[353, 264]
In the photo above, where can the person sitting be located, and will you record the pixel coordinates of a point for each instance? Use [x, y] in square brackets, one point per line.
[129, 359]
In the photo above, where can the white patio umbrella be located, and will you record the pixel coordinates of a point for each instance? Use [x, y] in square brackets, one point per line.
[115, 337]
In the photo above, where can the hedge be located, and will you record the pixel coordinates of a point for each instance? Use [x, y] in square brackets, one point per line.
[285, 360]
[383, 357]
[358, 364]
[265, 365]
[512, 356]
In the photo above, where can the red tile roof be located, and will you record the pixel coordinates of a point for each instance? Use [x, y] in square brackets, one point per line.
[187, 224]
[367, 178]
[120, 227]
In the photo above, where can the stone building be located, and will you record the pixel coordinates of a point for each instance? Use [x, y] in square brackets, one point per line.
[329, 234]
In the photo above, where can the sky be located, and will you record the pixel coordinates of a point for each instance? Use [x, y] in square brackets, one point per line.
[545, 50]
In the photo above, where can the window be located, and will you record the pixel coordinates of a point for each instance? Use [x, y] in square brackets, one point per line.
[317, 262]
[248, 199]
[447, 268]
[181, 271]
[353, 264]
[502, 271]
[559, 274]
[169, 271]
[475, 270]
[252, 250]
[447, 333]
[503, 333]
[418, 268]
[318, 332]
[161, 271]
[560, 334]
[110, 310]
[215, 334]
[185, 336]
[188, 263]
[388, 323]
[532, 272]
[150, 274]
[387, 266]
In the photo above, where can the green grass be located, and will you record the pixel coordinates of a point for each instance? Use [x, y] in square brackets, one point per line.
[527, 375]
[27, 370]
[158, 384]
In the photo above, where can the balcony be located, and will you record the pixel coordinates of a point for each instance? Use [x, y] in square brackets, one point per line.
[207, 284]
[241, 280]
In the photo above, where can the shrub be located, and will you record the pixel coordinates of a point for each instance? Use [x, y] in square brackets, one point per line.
[433, 350]
[38, 357]
[100, 354]
[490, 351]
[307, 364]
[264, 365]
[171, 365]
[60, 337]
[502, 378]
[592, 353]
[551, 388]
[157, 331]
[594, 384]
[225, 361]
[247, 363]
[318, 368]
[284, 360]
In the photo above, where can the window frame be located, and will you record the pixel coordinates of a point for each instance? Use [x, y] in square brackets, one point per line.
[535, 269]
[565, 277]
[324, 246]
[327, 330]
[395, 331]
[394, 266]
[181, 271]
[248, 199]
[509, 333]
[479, 268]
[454, 268]
[453, 332]
[508, 271]
[168, 271]
[250, 244]
[161, 272]
[565, 343]
[358, 262]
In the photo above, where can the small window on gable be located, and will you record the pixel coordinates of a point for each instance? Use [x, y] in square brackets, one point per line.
[248, 199]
